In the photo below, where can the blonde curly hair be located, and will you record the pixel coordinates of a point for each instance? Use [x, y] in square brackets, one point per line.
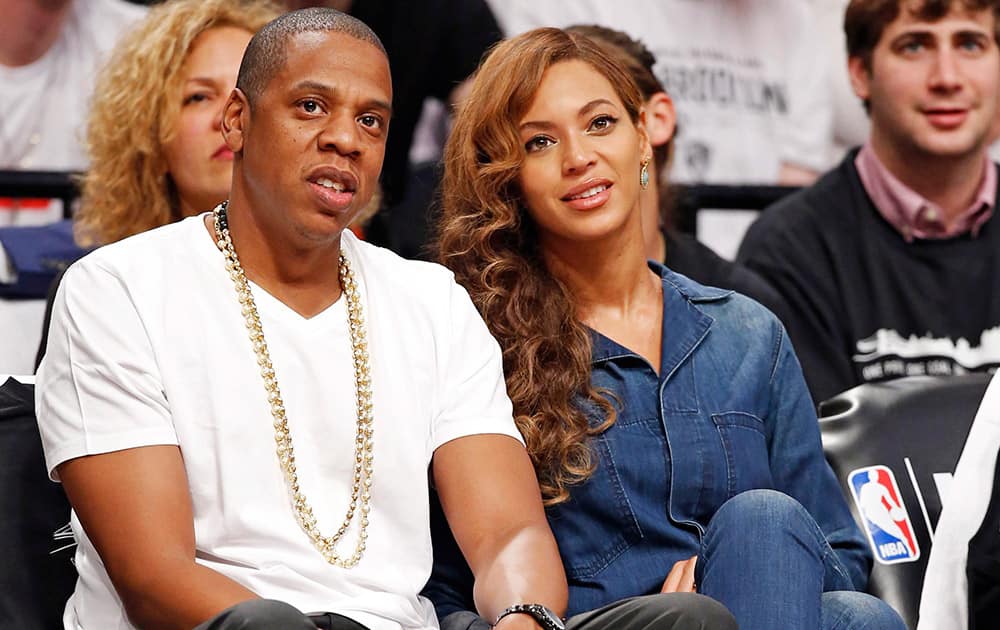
[134, 113]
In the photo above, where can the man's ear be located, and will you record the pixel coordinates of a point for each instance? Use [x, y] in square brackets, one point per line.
[661, 119]
[235, 119]
[860, 76]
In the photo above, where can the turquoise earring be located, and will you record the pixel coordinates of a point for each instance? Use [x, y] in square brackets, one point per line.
[644, 174]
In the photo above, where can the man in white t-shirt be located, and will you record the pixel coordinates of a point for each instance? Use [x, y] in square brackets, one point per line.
[746, 77]
[246, 407]
[50, 51]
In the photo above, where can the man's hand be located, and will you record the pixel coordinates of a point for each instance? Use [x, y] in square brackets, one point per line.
[681, 577]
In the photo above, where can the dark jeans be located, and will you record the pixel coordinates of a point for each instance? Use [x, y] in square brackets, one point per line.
[268, 614]
[765, 558]
[670, 611]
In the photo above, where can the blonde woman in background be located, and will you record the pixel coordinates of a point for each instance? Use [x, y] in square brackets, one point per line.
[153, 135]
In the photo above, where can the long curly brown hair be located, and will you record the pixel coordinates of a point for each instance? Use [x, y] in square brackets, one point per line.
[134, 113]
[489, 241]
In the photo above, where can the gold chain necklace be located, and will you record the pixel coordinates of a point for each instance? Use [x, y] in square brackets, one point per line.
[364, 437]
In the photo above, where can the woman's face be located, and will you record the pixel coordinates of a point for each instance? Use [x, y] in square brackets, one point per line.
[580, 177]
[198, 160]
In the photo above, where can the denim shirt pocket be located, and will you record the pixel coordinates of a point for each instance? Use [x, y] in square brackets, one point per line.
[745, 445]
[597, 524]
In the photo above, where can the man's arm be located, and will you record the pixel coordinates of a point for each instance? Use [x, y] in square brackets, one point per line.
[135, 506]
[489, 494]
[794, 175]
[106, 426]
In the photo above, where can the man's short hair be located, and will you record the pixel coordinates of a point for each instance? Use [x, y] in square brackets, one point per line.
[267, 51]
[865, 20]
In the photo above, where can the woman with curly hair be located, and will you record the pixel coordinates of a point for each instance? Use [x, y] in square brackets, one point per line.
[153, 131]
[672, 433]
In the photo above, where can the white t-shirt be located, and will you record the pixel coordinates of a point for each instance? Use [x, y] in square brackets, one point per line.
[850, 122]
[148, 346]
[746, 77]
[49, 98]
[43, 105]
[944, 598]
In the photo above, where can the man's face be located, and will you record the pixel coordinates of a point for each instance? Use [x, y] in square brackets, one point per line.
[932, 86]
[312, 144]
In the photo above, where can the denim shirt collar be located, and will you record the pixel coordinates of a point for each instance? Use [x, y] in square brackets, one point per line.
[683, 322]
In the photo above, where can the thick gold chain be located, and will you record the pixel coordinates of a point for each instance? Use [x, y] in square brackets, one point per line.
[364, 437]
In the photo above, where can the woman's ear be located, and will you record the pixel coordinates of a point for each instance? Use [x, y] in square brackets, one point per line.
[645, 146]
[661, 119]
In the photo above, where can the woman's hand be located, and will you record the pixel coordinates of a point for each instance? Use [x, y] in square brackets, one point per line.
[681, 577]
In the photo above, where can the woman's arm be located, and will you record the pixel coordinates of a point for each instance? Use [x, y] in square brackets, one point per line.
[799, 467]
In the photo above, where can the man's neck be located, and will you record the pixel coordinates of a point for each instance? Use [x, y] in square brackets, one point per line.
[303, 276]
[951, 183]
[29, 29]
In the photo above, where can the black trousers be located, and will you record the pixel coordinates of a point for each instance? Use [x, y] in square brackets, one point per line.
[267, 614]
[672, 611]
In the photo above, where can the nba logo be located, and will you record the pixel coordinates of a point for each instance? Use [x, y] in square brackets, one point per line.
[886, 521]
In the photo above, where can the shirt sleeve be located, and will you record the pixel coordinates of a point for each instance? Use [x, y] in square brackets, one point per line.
[473, 394]
[806, 135]
[98, 388]
[800, 469]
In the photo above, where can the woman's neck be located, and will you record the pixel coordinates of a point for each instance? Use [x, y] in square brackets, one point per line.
[614, 290]
[609, 278]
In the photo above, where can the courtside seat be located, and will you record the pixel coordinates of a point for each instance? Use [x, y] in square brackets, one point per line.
[894, 447]
[36, 571]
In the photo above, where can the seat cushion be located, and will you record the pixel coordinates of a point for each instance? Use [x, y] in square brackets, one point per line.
[34, 582]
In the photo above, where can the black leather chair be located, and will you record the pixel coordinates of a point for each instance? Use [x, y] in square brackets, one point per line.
[690, 199]
[915, 427]
[36, 571]
[983, 567]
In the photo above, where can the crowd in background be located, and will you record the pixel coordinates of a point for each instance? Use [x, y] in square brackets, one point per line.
[758, 92]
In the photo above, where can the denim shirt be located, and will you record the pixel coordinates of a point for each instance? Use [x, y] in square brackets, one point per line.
[728, 412]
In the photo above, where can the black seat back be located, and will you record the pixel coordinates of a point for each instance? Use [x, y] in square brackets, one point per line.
[905, 436]
[983, 565]
[34, 582]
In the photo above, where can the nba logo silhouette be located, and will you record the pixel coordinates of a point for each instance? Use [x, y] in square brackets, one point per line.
[886, 521]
